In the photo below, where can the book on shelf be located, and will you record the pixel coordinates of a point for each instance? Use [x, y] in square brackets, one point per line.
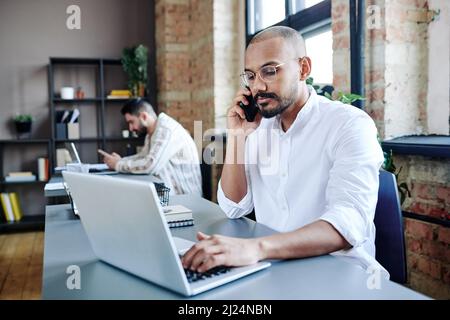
[19, 178]
[119, 94]
[15, 204]
[7, 207]
[178, 216]
[117, 97]
[20, 174]
[43, 169]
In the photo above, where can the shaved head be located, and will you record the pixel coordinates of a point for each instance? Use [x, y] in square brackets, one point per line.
[289, 35]
[281, 48]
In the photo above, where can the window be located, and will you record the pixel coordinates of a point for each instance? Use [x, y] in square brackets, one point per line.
[312, 18]
[265, 13]
[319, 48]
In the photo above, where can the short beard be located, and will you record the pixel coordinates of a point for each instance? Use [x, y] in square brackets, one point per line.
[142, 132]
[283, 103]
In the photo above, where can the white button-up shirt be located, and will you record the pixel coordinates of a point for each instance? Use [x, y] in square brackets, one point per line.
[325, 166]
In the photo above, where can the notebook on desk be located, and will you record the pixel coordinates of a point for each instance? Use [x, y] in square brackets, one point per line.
[136, 238]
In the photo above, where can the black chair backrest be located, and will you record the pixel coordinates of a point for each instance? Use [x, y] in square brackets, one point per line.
[389, 240]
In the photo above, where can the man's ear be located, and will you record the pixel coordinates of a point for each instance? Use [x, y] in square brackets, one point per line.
[143, 116]
[305, 68]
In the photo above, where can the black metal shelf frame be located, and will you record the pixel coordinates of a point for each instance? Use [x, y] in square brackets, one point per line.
[100, 101]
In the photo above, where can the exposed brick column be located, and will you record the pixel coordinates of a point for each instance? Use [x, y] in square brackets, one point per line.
[200, 48]
[184, 45]
[202, 63]
[341, 45]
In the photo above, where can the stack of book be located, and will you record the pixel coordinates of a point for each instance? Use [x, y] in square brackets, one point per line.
[119, 94]
[178, 216]
[11, 206]
[22, 176]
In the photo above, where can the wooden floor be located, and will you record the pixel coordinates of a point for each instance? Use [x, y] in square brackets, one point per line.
[21, 256]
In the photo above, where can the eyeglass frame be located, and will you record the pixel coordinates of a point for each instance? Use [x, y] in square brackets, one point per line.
[258, 73]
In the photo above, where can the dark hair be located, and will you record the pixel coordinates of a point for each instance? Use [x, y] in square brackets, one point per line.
[136, 106]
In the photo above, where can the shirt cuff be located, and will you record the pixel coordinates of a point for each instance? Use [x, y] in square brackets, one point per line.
[349, 223]
[117, 166]
[232, 209]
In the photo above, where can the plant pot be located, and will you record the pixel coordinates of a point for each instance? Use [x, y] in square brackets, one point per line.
[23, 127]
[138, 90]
[141, 89]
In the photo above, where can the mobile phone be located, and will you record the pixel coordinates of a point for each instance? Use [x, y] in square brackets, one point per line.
[251, 109]
[103, 153]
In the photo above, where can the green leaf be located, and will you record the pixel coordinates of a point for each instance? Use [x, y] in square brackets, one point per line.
[327, 95]
[23, 118]
[135, 64]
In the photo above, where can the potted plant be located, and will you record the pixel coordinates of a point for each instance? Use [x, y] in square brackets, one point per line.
[134, 62]
[23, 123]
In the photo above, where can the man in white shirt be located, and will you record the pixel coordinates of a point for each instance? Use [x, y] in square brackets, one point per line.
[310, 170]
[169, 152]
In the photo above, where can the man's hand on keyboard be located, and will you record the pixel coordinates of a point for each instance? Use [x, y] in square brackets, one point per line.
[217, 250]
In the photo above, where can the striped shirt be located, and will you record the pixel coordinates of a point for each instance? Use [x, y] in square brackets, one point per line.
[169, 154]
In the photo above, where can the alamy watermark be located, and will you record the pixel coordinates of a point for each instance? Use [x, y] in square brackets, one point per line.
[73, 281]
[374, 280]
[73, 21]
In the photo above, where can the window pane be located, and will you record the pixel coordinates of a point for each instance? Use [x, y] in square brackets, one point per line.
[319, 48]
[268, 12]
[310, 3]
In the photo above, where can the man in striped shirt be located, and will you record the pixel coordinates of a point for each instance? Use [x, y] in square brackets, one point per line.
[169, 152]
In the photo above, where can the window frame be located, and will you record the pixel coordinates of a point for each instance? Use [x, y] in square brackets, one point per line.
[309, 22]
[305, 21]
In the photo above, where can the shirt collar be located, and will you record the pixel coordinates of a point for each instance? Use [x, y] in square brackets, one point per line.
[302, 116]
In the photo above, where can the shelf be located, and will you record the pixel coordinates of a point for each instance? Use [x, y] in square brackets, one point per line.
[79, 140]
[7, 183]
[92, 61]
[28, 223]
[25, 141]
[112, 62]
[431, 146]
[88, 61]
[86, 100]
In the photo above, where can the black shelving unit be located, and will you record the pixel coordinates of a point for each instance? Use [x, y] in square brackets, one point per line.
[99, 101]
[28, 222]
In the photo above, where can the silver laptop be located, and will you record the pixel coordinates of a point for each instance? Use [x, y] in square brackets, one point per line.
[124, 222]
[101, 168]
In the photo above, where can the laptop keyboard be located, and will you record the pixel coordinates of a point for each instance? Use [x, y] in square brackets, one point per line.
[193, 276]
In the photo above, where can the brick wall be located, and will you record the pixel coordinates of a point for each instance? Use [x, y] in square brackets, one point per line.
[185, 60]
[396, 90]
[200, 46]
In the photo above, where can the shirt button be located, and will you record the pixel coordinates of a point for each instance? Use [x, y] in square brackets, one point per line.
[284, 175]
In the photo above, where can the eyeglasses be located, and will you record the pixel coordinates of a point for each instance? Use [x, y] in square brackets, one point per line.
[266, 74]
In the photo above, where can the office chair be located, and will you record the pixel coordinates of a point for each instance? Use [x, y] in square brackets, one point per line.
[389, 238]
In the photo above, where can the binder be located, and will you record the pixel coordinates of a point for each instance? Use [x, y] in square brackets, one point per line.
[15, 204]
[43, 169]
[7, 208]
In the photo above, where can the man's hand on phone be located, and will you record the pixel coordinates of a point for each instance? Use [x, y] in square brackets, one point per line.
[236, 117]
[110, 159]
